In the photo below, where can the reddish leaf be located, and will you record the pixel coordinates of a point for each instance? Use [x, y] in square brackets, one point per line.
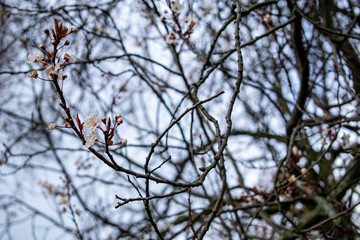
[108, 124]
[78, 121]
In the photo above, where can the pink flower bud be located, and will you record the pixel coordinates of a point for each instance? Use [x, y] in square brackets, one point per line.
[123, 142]
[120, 121]
[73, 29]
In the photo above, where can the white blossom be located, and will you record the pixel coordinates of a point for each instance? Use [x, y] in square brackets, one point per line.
[90, 139]
[51, 126]
[170, 39]
[292, 178]
[297, 153]
[267, 19]
[69, 58]
[31, 58]
[92, 121]
[325, 132]
[56, 70]
[176, 7]
[37, 57]
[63, 201]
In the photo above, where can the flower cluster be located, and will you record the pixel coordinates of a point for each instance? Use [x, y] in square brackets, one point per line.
[81, 164]
[56, 191]
[177, 24]
[328, 133]
[48, 59]
[92, 122]
[257, 195]
[54, 67]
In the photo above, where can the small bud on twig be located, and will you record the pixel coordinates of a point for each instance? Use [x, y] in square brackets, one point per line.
[123, 142]
[73, 29]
